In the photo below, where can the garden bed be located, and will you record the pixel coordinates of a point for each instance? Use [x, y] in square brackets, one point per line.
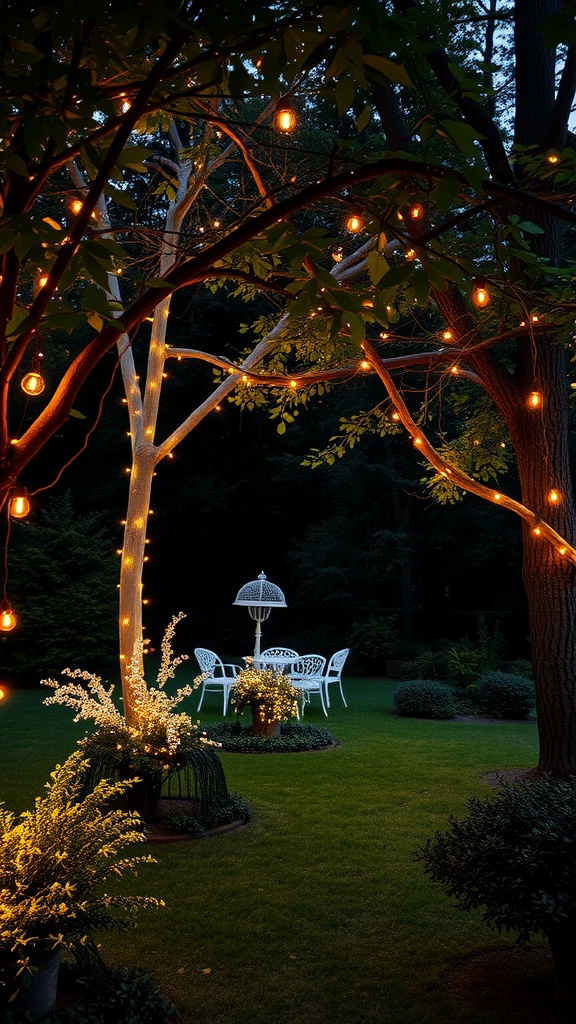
[293, 739]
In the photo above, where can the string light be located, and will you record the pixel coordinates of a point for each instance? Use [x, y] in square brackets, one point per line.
[76, 205]
[535, 399]
[337, 255]
[364, 365]
[383, 335]
[554, 497]
[497, 496]
[552, 156]
[416, 211]
[455, 370]
[562, 551]
[395, 415]
[417, 442]
[8, 619]
[285, 119]
[354, 223]
[480, 294]
[447, 335]
[410, 254]
[537, 531]
[33, 383]
[19, 505]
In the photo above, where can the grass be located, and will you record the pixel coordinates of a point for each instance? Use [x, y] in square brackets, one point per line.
[316, 910]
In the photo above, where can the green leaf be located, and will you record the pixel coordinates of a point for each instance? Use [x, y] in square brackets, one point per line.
[377, 266]
[446, 192]
[396, 276]
[530, 228]
[364, 118]
[388, 68]
[463, 136]
[95, 321]
[77, 415]
[345, 92]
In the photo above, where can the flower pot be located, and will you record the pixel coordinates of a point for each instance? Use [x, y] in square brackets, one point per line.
[37, 992]
[260, 727]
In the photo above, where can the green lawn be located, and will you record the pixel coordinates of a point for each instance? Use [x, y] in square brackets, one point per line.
[315, 911]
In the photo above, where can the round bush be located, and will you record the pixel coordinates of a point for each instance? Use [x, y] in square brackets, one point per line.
[424, 698]
[292, 739]
[502, 695]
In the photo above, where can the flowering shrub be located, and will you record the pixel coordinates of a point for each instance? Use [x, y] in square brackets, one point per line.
[54, 863]
[272, 693]
[157, 738]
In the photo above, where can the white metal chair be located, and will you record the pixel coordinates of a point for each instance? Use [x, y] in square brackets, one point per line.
[218, 676]
[279, 652]
[307, 674]
[334, 673]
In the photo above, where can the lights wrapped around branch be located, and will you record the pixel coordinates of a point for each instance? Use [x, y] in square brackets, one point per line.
[535, 399]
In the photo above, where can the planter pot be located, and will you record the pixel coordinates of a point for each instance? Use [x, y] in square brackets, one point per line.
[260, 727]
[37, 993]
[142, 796]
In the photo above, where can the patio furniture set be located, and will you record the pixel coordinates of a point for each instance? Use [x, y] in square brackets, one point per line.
[306, 671]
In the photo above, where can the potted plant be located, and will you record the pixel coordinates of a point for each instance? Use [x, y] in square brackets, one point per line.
[55, 861]
[155, 746]
[271, 696]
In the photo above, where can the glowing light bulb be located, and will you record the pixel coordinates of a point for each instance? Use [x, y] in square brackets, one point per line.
[447, 335]
[416, 211]
[19, 506]
[76, 205]
[383, 335]
[455, 370]
[535, 399]
[537, 531]
[417, 442]
[285, 119]
[480, 294]
[33, 383]
[7, 620]
[354, 223]
[562, 551]
[293, 384]
[497, 496]
[364, 365]
[395, 416]
[337, 255]
[552, 156]
[410, 254]
[43, 281]
[554, 497]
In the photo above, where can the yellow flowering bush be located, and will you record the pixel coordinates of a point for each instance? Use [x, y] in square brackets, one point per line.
[272, 693]
[55, 861]
[157, 739]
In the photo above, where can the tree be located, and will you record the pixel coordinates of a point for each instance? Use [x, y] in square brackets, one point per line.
[452, 198]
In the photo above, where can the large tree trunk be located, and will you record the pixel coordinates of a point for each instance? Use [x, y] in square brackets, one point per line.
[540, 438]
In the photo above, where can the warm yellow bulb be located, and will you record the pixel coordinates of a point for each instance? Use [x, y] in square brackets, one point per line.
[395, 415]
[447, 335]
[364, 365]
[554, 497]
[480, 295]
[76, 205]
[337, 255]
[535, 399]
[416, 211]
[7, 620]
[285, 119]
[19, 504]
[537, 531]
[33, 383]
[417, 442]
[553, 157]
[354, 223]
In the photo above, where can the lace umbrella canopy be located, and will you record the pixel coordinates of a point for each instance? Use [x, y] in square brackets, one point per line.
[260, 597]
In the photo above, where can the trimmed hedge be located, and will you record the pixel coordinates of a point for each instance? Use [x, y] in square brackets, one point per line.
[503, 695]
[424, 698]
